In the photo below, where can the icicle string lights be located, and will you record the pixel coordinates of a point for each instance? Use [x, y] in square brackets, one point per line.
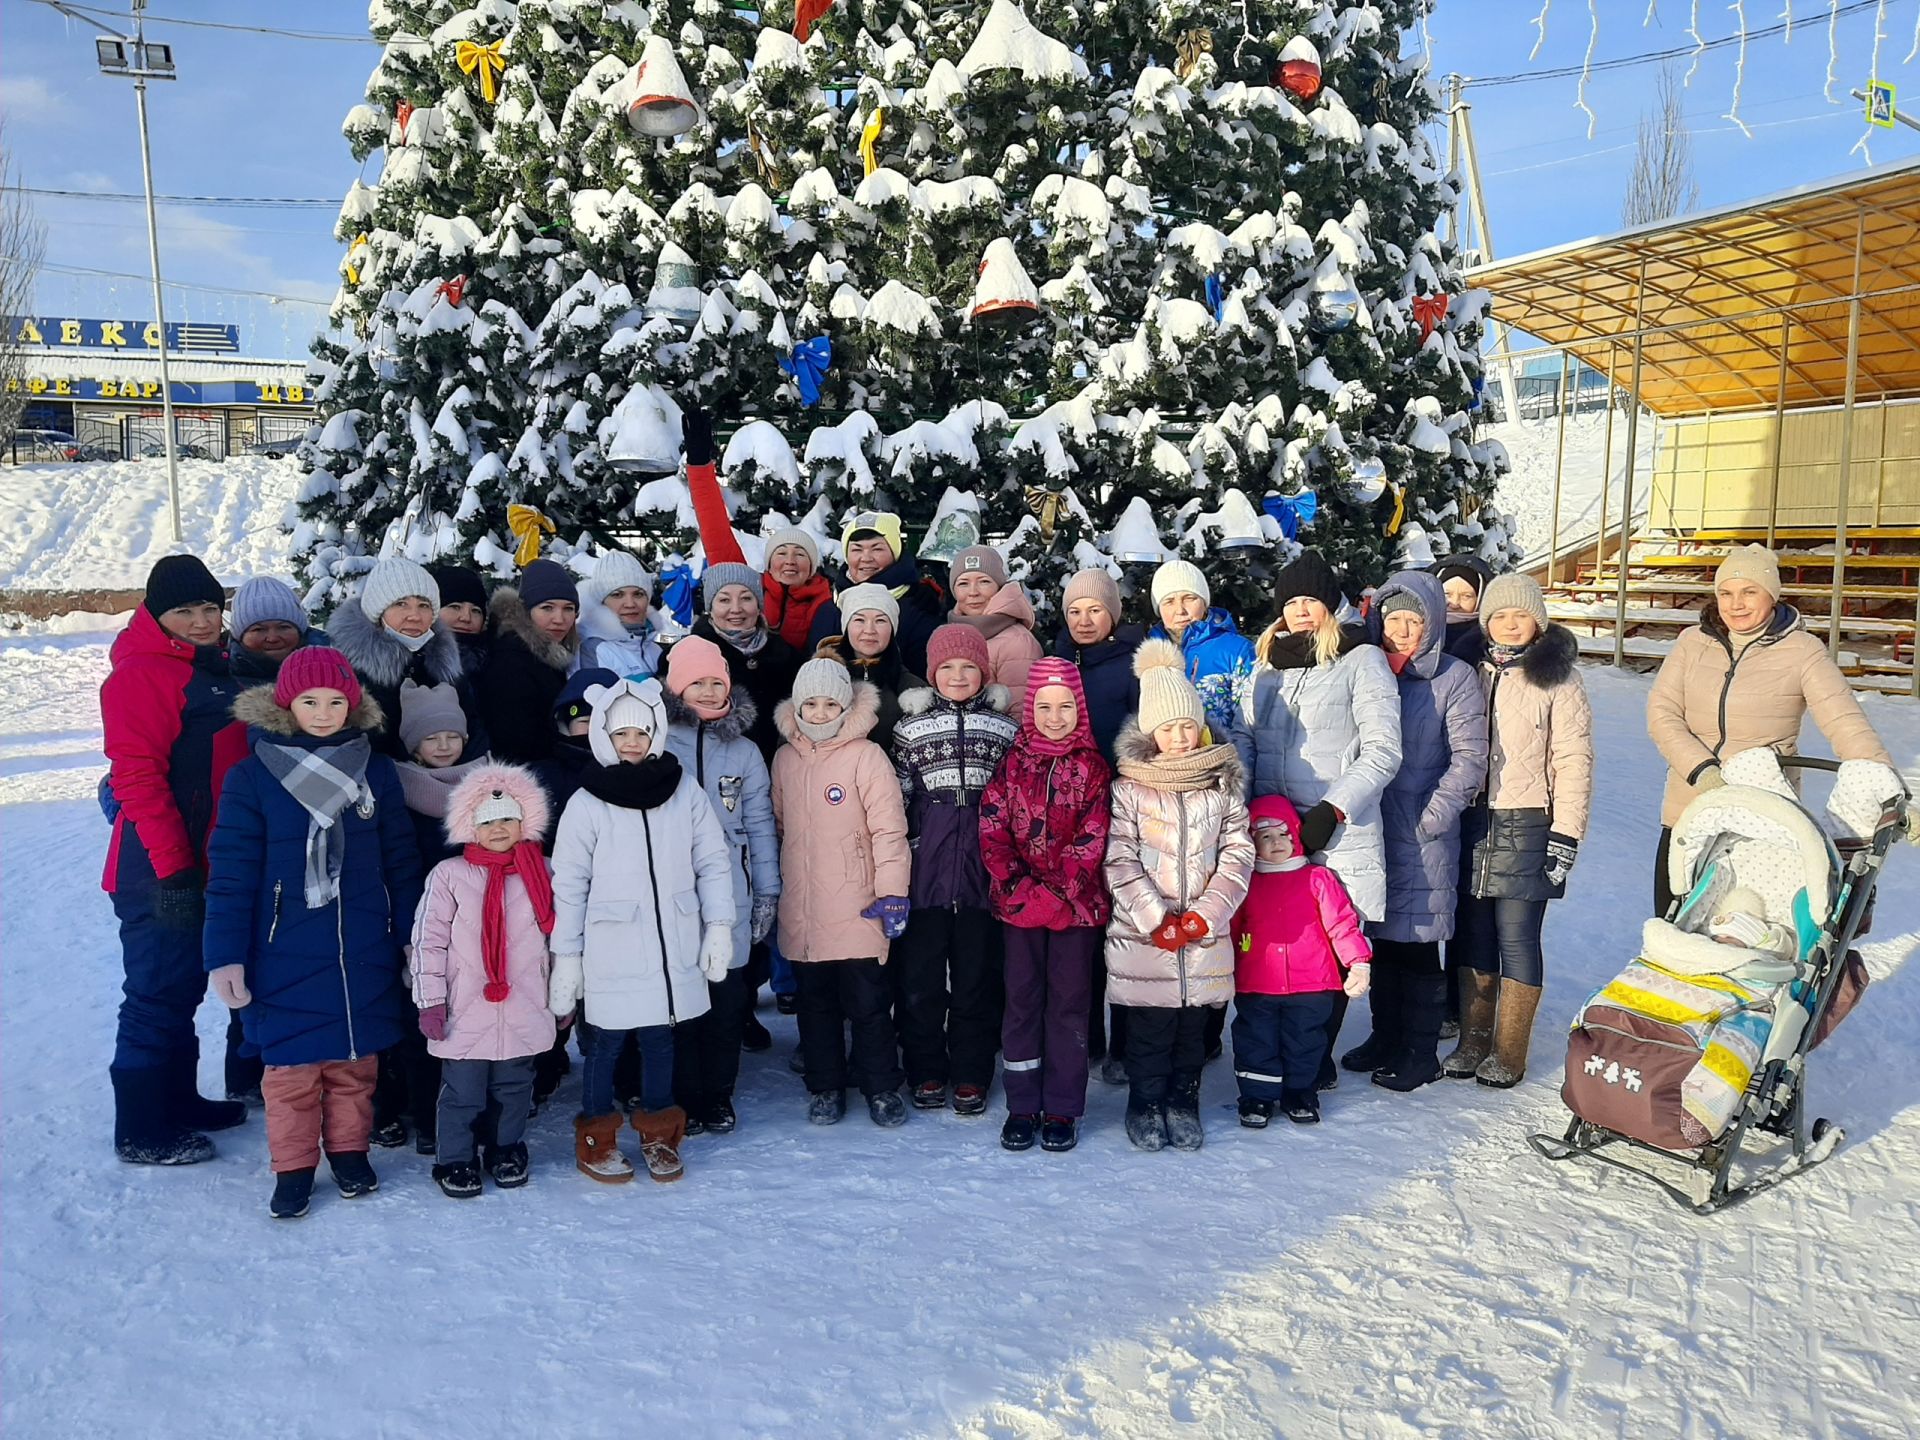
[1879, 34]
[1699, 42]
[1540, 24]
[1586, 67]
[1739, 8]
[1833, 47]
[1787, 15]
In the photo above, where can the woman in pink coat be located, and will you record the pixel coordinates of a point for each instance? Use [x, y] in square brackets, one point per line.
[480, 964]
[995, 605]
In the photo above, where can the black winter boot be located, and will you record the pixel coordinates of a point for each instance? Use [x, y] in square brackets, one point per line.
[1302, 1107]
[1059, 1133]
[192, 1109]
[826, 1107]
[1183, 1114]
[1146, 1122]
[458, 1181]
[352, 1173]
[1379, 1047]
[1019, 1131]
[1255, 1114]
[292, 1190]
[508, 1166]
[1422, 1006]
[146, 1129]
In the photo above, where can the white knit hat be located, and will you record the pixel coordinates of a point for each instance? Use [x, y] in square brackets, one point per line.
[792, 535]
[823, 678]
[392, 580]
[1178, 577]
[856, 598]
[635, 704]
[1165, 692]
[615, 570]
[498, 805]
[1750, 562]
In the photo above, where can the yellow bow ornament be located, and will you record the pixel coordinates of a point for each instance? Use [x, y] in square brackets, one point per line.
[1191, 45]
[487, 59]
[1399, 512]
[360, 243]
[1045, 507]
[870, 139]
[527, 525]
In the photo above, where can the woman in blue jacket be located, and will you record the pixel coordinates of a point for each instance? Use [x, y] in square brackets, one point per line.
[1219, 658]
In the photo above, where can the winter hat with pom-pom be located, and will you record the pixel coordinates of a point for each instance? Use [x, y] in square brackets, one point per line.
[315, 667]
[1180, 577]
[392, 580]
[1165, 692]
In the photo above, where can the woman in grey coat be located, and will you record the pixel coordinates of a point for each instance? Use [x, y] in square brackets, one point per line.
[1443, 758]
[1320, 724]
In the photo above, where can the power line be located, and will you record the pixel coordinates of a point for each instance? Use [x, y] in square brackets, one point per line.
[210, 202]
[58, 269]
[323, 35]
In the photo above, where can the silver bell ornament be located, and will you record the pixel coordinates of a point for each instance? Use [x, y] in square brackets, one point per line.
[1369, 481]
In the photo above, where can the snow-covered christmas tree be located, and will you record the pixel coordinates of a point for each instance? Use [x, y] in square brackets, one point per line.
[1107, 279]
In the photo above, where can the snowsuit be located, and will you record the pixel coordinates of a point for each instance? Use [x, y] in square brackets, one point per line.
[1179, 842]
[326, 981]
[382, 663]
[886, 672]
[1219, 662]
[1106, 672]
[843, 844]
[923, 608]
[1043, 838]
[766, 676]
[1007, 626]
[524, 676]
[726, 764]
[1295, 937]
[944, 753]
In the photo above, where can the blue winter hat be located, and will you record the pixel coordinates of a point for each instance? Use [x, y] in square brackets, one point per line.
[546, 580]
[572, 703]
[262, 599]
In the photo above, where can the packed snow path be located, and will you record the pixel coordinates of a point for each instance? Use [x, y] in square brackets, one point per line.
[1407, 1269]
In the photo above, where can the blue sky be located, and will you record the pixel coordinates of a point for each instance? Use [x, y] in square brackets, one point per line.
[259, 115]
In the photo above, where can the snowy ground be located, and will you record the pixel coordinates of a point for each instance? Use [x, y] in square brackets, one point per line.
[1528, 491]
[102, 525]
[1407, 1269]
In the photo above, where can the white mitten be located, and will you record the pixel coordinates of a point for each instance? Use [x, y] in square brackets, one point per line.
[230, 984]
[716, 952]
[566, 984]
[1359, 978]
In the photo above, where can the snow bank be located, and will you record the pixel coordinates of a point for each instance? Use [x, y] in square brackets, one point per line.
[101, 526]
[1527, 492]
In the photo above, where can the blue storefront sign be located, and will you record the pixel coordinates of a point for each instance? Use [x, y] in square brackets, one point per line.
[59, 332]
[223, 392]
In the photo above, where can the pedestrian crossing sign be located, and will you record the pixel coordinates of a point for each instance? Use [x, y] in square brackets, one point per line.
[1880, 109]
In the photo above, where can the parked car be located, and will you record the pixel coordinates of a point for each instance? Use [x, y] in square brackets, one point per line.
[282, 449]
[157, 450]
[40, 447]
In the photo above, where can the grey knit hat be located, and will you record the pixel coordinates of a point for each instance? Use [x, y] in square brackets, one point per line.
[429, 710]
[1514, 592]
[392, 580]
[793, 535]
[823, 679]
[729, 572]
[980, 560]
[264, 598]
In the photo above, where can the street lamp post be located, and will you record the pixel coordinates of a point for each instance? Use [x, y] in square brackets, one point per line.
[141, 62]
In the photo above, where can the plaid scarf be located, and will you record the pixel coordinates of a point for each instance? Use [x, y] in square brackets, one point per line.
[323, 782]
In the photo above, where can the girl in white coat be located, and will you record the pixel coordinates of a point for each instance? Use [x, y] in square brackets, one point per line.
[643, 919]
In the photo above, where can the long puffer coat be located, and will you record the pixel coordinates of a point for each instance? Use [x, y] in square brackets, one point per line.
[1443, 757]
[633, 891]
[1170, 851]
[326, 983]
[727, 766]
[843, 836]
[944, 753]
[526, 670]
[382, 663]
[1106, 670]
[1330, 732]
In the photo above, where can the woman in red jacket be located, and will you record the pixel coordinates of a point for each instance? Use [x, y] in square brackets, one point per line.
[168, 695]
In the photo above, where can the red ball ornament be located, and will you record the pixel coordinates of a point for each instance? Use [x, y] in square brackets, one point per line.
[1299, 78]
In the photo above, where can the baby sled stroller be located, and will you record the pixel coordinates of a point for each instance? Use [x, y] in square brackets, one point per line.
[1699, 1047]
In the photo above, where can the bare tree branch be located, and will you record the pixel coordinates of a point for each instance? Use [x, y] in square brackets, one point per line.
[22, 244]
[1663, 183]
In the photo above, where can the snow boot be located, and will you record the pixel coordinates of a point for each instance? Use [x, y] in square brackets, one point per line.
[787, 1004]
[1302, 1107]
[596, 1149]
[1255, 1114]
[717, 1117]
[930, 1095]
[969, 1099]
[887, 1109]
[192, 1109]
[827, 1107]
[508, 1166]
[1421, 1003]
[1146, 1122]
[661, 1133]
[389, 1136]
[1113, 1070]
[458, 1181]
[146, 1130]
[1018, 1132]
[352, 1173]
[1387, 1004]
[425, 1142]
[1478, 993]
[1512, 1036]
[1183, 1114]
[1059, 1133]
[755, 1037]
[292, 1192]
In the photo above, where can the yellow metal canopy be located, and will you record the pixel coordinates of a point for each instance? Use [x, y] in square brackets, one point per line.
[1713, 296]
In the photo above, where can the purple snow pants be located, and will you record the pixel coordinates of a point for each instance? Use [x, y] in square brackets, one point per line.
[1043, 1033]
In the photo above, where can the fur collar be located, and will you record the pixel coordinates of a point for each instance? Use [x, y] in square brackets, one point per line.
[1135, 752]
[511, 617]
[378, 657]
[921, 699]
[1549, 662]
[859, 723]
[257, 707]
[730, 726]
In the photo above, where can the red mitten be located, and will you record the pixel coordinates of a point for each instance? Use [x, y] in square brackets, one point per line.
[1168, 936]
[1193, 926]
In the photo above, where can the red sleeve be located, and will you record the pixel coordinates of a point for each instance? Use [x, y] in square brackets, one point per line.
[229, 749]
[140, 707]
[710, 508]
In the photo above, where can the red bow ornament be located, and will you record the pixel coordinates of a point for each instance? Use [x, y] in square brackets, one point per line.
[455, 290]
[1429, 310]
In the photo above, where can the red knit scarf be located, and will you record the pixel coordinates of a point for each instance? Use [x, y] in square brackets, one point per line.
[525, 860]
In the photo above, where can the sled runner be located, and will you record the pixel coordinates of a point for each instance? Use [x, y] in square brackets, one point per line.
[1698, 1049]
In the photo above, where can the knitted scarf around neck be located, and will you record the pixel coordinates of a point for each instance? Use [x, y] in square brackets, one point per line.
[1196, 770]
[646, 786]
[526, 861]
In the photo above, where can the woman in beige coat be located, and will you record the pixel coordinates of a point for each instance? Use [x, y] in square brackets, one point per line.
[1746, 676]
[1179, 856]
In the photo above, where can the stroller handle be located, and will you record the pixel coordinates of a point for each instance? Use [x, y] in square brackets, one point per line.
[1832, 767]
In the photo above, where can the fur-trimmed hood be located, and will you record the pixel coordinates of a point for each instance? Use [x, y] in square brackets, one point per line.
[730, 726]
[1134, 749]
[258, 708]
[1550, 660]
[382, 659]
[516, 782]
[922, 698]
[860, 719]
[510, 616]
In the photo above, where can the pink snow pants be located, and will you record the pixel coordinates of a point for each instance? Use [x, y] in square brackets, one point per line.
[307, 1104]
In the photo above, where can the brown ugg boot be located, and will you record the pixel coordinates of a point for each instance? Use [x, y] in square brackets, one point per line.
[661, 1134]
[1512, 1033]
[1478, 993]
[596, 1149]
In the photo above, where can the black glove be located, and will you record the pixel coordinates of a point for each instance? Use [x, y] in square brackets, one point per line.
[1317, 827]
[1561, 853]
[696, 435]
[180, 901]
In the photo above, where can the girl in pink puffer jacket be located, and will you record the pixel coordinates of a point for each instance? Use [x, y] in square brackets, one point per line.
[480, 964]
[1298, 944]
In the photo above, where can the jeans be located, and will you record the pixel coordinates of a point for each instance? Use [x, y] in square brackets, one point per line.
[602, 1051]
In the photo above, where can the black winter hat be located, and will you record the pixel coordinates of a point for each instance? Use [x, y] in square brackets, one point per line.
[177, 580]
[1471, 569]
[459, 585]
[1310, 575]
